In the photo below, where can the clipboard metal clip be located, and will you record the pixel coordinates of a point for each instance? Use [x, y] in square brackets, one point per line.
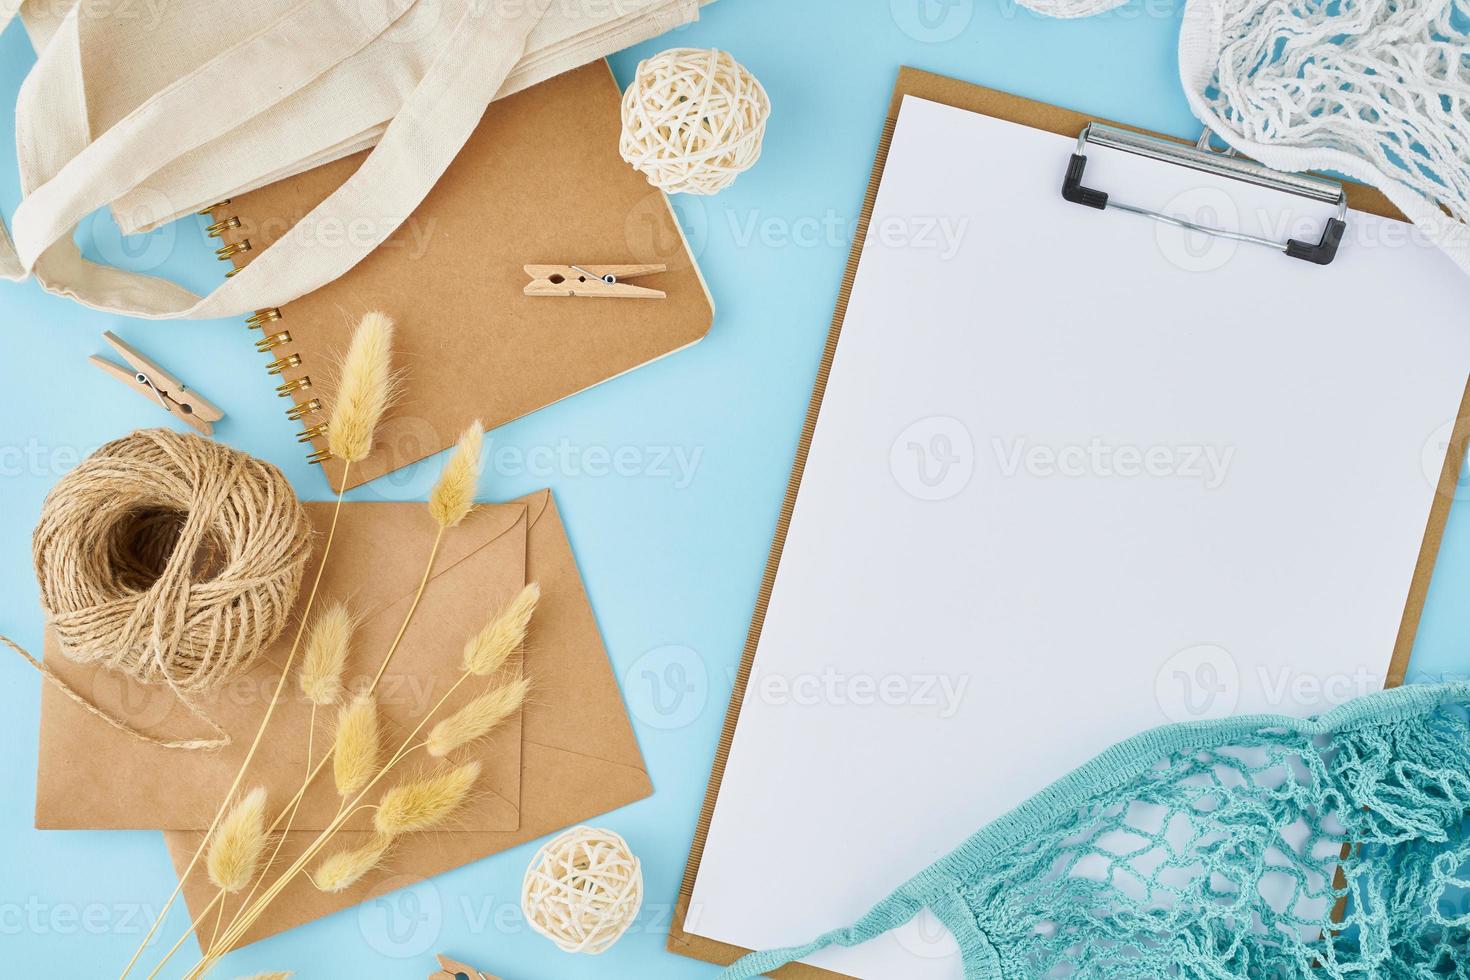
[592, 280]
[153, 382]
[1223, 164]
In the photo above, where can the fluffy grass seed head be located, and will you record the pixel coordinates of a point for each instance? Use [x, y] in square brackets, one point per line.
[477, 718]
[487, 651]
[422, 803]
[326, 655]
[238, 844]
[342, 870]
[355, 753]
[364, 389]
[454, 495]
[281, 975]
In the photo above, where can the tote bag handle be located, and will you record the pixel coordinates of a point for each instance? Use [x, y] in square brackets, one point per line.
[65, 176]
[10, 267]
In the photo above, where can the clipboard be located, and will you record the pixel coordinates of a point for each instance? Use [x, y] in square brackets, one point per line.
[1065, 122]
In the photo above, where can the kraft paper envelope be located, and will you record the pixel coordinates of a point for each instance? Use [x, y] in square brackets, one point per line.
[579, 756]
[377, 560]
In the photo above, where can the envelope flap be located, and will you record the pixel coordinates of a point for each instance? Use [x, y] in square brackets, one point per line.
[601, 730]
[392, 539]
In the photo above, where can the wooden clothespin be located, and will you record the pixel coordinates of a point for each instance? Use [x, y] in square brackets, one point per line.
[451, 970]
[591, 280]
[153, 382]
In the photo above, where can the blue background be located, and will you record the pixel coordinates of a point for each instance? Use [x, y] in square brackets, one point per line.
[672, 565]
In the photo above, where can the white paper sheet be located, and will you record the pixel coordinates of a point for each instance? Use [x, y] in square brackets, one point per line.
[1076, 474]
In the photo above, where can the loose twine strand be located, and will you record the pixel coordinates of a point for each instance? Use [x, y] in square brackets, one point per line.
[172, 560]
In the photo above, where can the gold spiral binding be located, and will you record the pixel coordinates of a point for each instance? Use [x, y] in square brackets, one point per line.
[270, 341]
[282, 363]
[302, 409]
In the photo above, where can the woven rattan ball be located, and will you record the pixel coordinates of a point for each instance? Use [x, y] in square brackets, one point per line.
[693, 120]
[583, 890]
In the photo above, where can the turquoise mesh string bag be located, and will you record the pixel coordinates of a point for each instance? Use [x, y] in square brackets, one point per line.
[1260, 847]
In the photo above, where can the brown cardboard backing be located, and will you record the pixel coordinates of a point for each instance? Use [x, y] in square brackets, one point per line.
[539, 181]
[1039, 115]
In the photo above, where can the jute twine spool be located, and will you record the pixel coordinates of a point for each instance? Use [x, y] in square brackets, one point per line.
[693, 120]
[583, 890]
[171, 559]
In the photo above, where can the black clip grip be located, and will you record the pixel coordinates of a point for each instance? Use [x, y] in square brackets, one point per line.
[1072, 189]
[1323, 252]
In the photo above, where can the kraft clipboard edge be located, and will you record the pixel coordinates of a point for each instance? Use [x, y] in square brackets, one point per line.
[1064, 122]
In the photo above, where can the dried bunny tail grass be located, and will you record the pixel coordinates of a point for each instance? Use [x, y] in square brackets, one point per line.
[238, 843]
[364, 389]
[454, 495]
[344, 869]
[488, 650]
[280, 975]
[477, 718]
[326, 654]
[421, 804]
[355, 754]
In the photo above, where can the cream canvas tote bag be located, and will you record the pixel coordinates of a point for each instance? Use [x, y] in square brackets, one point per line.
[160, 113]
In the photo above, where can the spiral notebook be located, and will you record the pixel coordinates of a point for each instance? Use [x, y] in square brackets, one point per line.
[540, 181]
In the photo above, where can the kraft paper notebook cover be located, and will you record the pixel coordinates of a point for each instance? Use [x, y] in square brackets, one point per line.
[579, 757]
[809, 819]
[375, 566]
[540, 181]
